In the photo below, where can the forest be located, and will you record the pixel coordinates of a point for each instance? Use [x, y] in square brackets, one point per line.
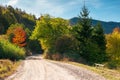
[22, 33]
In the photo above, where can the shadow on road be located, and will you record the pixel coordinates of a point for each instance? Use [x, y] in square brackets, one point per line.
[35, 57]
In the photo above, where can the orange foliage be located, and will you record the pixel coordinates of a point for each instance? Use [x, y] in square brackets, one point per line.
[19, 37]
[117, 29]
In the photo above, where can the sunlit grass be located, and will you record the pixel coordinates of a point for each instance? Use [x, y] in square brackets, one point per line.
[109, 74]
[10, 51]
[7, 67]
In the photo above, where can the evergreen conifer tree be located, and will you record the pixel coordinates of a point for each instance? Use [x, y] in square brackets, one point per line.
[84, 30]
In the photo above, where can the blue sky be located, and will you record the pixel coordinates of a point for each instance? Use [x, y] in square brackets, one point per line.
[105, 10]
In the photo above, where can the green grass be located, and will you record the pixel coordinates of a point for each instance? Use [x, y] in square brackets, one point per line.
[7, 67]
[10, 51]
[109, 74]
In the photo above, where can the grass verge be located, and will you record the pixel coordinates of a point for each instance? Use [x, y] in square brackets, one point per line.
[109, 74]
[7, 67]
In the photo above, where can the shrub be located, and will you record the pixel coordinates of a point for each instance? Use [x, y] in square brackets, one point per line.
[71, 56]
[47, 55]
[57, 56]
[7, 68]
[113, 48]
[10, 51]
[93, 55]
[17, 34]
[66, 44]
[114, 64]
[35, 46]
[67, 47]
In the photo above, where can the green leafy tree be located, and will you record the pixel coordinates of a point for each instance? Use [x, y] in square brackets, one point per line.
[47, 30]
[113, 48]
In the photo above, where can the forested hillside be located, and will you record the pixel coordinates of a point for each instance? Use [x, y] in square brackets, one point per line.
[10, 15]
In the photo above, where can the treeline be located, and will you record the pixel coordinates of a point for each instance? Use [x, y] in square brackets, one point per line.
[57, 38]
[9, 15]
[15, 29]
[61, 41]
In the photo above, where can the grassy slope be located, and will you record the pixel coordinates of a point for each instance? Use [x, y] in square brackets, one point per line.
[7, 67]
[107, 73]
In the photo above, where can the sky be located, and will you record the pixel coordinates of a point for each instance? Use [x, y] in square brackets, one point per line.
[105, 10]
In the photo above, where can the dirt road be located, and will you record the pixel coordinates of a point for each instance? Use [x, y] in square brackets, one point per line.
[36, 68]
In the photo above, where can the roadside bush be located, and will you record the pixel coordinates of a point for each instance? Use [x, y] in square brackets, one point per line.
[57, 56]
[66, 47]
[35, 46]
[94, 54]
[10, 51]
[47, 55]
[66, 44]
[113, 48]
[114, 64]
[7, 68]
[71, 56]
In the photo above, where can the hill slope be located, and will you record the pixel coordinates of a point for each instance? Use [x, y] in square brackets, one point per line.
[107, 26]
[10, 15]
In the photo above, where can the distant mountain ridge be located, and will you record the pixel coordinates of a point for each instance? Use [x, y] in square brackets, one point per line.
[107, 26]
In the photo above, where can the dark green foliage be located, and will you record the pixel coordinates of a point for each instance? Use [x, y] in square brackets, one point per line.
[85, 26]
[114, 64]
[9, 15]
[67, 47]
[65, 44]
[91, 39]
[98, 38]
[94, 54]
[35, 46]
[10, 51]
[83, 31]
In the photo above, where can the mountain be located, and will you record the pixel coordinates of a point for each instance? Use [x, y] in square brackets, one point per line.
[107, 26]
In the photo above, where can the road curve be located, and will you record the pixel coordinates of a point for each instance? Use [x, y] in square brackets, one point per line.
[39, 69]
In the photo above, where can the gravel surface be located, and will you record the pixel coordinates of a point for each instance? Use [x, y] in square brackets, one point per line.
[36, 68]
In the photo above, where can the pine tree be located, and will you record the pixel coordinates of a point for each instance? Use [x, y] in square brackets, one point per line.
[84, 28]
[98, 38]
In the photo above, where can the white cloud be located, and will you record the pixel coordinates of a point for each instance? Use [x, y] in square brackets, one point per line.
[12, 2]
[60, 8]
[57, 8]
[50, 7]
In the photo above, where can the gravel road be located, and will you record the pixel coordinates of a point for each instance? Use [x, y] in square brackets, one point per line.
[36, 68]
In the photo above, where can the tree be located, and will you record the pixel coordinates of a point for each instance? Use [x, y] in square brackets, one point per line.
[83, 30]
[113, 48]
[17, 34]
[98, 38]
[19, 37]
[91, 39]
[47, 30]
